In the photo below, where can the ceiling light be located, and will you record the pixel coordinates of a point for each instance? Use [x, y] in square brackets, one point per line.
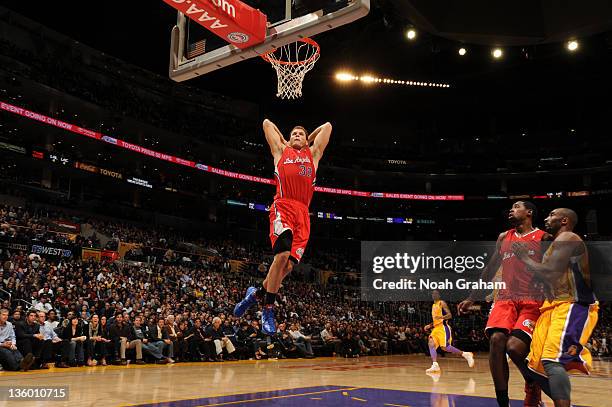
[572, 45]
[344, 76]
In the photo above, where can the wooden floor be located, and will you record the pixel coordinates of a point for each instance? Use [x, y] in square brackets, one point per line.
[375, 381]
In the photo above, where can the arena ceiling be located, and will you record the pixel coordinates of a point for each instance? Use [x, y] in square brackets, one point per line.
[512, 23]
[537, 84]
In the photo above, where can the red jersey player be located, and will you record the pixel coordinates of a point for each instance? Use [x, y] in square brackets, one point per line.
[295, 169]
[517, 307]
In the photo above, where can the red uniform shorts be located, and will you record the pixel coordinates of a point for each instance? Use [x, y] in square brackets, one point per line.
[509, 315]
[287, 214]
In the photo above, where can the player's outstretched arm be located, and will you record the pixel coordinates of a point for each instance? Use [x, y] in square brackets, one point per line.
[320, 138]
[487, 274]
[275, 139]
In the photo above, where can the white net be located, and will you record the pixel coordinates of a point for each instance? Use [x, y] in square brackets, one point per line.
[292, 62]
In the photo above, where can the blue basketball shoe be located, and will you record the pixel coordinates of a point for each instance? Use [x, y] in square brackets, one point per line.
[248, 301]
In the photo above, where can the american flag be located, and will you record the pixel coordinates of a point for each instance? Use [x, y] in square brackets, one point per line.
[196, 49]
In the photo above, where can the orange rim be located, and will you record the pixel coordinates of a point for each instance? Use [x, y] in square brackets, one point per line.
[307, 40]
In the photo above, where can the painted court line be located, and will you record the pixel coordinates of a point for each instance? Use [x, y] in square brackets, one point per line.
[233, 399]
[273, 398]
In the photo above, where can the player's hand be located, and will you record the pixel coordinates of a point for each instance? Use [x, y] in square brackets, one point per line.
[464, 306]
[427, 327]
[520, 250]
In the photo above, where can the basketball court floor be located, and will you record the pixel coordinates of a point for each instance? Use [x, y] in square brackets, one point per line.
[371, 381]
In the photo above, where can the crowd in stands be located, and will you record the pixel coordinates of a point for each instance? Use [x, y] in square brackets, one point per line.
[72, 312]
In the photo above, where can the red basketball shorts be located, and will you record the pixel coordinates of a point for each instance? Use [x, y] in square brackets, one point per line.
[509, 315]
[287, 214]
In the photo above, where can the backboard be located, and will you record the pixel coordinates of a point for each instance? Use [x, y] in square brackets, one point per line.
[195, 51]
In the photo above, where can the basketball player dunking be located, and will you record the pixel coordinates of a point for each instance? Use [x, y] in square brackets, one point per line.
[295, 166]
[569, 314]
[516, 308]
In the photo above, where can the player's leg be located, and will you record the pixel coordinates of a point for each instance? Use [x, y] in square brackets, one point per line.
[468, 356]
[559, 383]
[501, 321]
[281, 237]
[278, 271]
[433, 344]
[571, 325]
[498, 364]
[448, 347]
[518, 349]
[286, 271]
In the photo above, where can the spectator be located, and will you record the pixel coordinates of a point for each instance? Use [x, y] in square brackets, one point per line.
[142, 333]
[49, 334]
[123, 337]
[43, 305]
[331, 340]
[201, 346]
[74, 339]
[181, 349]
[16, 316]
[301, 341]
[10, 357]
[158, 335]
[96, 342]
[30, 340]
[52, 319]
[220, 340]
[109, 347]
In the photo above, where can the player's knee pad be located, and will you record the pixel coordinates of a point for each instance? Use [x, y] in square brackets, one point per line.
[560, 386]
[283, 242]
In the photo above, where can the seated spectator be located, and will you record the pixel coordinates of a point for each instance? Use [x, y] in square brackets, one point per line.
[286, 343]
[49, 334]
[246, 339]
[331, 340]
[10, 357]
[301, 341]
[74, 338]
[109, 347]
[220, 340]
[52, 320]
[96, 342]
[171, 327]
[43, 304]
[141, 332]
[201, 346]
[350, 343]
[158, 337]
[181, 349]
[16, 317]
[124, 338]
[30, 340]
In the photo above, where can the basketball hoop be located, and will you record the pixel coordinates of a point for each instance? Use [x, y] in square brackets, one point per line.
[292, 62]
